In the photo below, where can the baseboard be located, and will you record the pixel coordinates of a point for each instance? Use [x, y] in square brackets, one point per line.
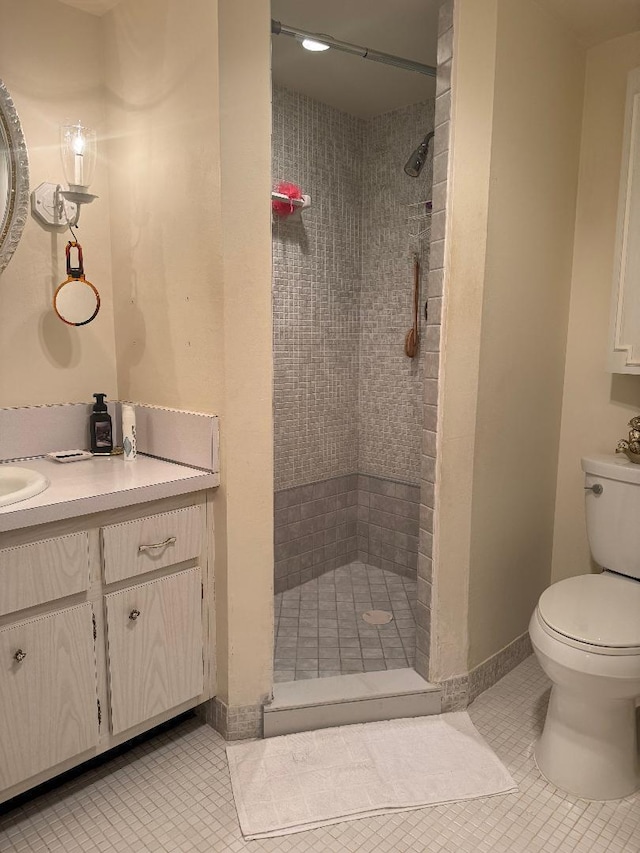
[236, 722]
[497, 666]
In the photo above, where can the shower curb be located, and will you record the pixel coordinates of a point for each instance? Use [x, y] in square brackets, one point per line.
[301, 706]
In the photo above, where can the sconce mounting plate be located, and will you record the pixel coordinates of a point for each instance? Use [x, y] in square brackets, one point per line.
[48, 206]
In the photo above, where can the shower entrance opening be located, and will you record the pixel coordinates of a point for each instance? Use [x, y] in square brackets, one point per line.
[351, 357]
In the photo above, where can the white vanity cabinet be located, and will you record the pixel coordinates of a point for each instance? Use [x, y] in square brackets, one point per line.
[154, 633]
[48, 692]
[105, 632]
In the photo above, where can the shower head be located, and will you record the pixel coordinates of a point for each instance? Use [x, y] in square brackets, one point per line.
[414, 164]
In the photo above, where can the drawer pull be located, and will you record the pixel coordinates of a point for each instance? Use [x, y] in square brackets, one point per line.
[170, 541]
[19, 656]
[134, 615]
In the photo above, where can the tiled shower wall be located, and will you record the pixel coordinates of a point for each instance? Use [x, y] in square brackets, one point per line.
[457, 697]
[316, 279]
[347, 399]
[390, 385]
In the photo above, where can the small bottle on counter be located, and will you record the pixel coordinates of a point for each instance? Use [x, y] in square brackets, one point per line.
[129, 432]
[100, 428]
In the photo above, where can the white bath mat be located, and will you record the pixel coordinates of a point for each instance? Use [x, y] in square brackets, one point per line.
[295, 782]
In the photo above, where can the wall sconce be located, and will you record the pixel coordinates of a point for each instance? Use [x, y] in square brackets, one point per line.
[53, 205]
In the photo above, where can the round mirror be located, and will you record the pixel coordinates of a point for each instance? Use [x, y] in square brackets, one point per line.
[76, 302]
[14, 178]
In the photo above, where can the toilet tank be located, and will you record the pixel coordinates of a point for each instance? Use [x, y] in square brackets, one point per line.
[613, 517]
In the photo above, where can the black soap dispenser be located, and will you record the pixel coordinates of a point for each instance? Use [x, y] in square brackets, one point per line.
[100, 430]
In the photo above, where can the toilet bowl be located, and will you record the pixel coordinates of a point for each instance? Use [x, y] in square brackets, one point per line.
[585, 633]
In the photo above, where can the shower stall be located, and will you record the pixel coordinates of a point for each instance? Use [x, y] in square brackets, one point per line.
[348, 401]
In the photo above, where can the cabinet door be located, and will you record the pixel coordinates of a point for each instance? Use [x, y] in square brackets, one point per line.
[48, 700]
[155, 647]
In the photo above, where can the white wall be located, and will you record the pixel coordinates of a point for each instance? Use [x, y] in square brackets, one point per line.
[596, 404]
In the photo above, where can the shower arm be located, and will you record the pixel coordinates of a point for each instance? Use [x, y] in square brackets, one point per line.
[277, 28]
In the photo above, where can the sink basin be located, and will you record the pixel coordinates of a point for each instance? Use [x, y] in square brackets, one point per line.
[18, 484]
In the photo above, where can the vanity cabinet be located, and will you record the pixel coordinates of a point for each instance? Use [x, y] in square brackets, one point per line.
[105, 632]
[154, 639]
[48, 692]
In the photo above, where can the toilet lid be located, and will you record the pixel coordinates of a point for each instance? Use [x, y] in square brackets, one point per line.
[601, 610]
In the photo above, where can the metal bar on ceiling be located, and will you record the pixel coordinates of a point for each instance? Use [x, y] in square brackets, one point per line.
[278, 28]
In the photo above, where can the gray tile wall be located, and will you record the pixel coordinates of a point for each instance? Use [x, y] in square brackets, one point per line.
[346, 396]
[325, 525]
[432, 356]
[347, 399]
[316, 281]
[390, 385]
[315, 530]
[388, 525]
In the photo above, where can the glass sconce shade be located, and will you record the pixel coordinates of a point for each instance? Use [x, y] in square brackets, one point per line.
[78, 145]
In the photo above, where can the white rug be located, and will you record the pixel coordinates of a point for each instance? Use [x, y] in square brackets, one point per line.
[288, 784]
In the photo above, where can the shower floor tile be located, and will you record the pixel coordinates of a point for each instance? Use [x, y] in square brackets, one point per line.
[320, 631]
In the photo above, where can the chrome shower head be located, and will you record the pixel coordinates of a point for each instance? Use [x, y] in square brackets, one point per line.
[414, 164]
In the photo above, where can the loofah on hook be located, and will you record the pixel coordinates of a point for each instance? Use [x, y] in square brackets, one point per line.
[284, 208]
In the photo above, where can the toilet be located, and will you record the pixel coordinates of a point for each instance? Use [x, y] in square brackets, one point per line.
[585, 633]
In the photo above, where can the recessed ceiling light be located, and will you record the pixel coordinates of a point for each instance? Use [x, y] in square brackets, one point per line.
[311, 44]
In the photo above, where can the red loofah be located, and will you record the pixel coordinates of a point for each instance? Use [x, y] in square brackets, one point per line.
[283, 208]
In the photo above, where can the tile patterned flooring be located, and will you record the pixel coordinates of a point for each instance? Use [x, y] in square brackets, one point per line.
[320, 631]
[173, 795]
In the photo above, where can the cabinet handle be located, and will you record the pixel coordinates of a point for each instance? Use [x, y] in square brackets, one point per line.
[169, 541]
[19, 656]
[134, 615]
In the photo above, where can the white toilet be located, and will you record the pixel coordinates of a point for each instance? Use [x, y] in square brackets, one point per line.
[585, 632]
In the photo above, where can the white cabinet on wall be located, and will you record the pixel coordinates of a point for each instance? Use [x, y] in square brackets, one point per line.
[625, 313]
[105, 632]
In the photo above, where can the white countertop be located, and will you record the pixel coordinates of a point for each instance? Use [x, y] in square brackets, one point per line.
[99, 484]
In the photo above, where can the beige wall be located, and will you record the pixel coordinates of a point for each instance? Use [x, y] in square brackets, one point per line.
[534, 175]
[465, 256]
[246, 636]
[190, 122]
[162, 80]
[192, 287]
[517, 109]
[596, 404]
[41, 359]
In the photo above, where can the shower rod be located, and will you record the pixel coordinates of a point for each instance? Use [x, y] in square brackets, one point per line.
[277, 28]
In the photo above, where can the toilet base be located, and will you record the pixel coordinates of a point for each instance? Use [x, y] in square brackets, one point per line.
[589, 748]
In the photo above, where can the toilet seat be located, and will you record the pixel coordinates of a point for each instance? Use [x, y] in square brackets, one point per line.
[596, 613]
